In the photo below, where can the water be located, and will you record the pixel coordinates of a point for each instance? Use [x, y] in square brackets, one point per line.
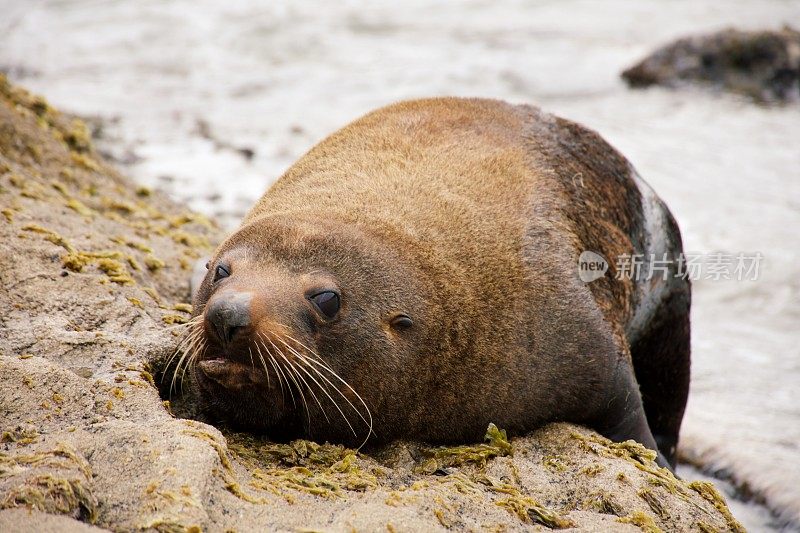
[182, 87]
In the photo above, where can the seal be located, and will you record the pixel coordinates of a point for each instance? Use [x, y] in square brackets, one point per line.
[415, 275]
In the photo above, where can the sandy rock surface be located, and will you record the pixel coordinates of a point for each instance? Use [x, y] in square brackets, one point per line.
[762, 65]
[94, 275]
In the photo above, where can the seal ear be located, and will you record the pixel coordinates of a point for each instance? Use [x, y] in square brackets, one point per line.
[401, 321]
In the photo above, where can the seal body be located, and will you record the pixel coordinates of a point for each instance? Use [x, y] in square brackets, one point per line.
[415, 275]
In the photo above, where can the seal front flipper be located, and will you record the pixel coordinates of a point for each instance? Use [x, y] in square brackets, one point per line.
[624, 417]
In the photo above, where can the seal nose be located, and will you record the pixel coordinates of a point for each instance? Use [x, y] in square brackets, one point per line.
[228, 315]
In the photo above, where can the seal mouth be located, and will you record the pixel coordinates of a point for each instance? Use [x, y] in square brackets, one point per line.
[231, 374]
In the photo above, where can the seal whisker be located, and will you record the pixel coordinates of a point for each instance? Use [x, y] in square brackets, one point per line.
[274, 364]
[185, 347]
[184, 355]
[197, 353]
[191, 361]
[318, 360]
[275, 360]
[261, 358]
[302, 395]
[187, 337]
[311, 390]
[284, 371]
[311, 353]
[306, 359]
[191, 335]
[188, 324]
[323, 389]
[289, 367]
[188, 357]
[250, 351]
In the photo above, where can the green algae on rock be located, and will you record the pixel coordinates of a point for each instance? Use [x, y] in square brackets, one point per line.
[54, 481]
[496, 445]
[320, 469]
[529, 510]
[54, 495]
[642, 520]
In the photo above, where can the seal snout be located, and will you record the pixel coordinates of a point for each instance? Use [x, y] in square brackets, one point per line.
[227, 321]
[228, 315]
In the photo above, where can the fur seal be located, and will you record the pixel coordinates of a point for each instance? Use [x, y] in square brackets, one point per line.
[414, 276]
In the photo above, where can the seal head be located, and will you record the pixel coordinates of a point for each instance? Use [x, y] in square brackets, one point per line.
[299, 318]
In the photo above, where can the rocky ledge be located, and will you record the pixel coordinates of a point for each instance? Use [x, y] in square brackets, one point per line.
[94, 275]
[761, 65]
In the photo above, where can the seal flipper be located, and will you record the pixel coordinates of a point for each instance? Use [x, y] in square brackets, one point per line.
[661, 361]
[624, 416]
[634, 426]
[658, 331]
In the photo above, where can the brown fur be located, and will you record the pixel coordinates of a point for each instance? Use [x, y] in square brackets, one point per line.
[468, 215]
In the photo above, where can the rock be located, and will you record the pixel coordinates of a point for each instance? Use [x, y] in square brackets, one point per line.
[95, 280]
[11, 519]
[763, 65]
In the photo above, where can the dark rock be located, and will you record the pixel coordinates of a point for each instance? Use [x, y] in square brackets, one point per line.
[763, 65]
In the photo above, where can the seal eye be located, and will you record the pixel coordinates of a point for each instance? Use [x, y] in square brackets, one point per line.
[327, 302]
[221, 272]
[401, 322]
